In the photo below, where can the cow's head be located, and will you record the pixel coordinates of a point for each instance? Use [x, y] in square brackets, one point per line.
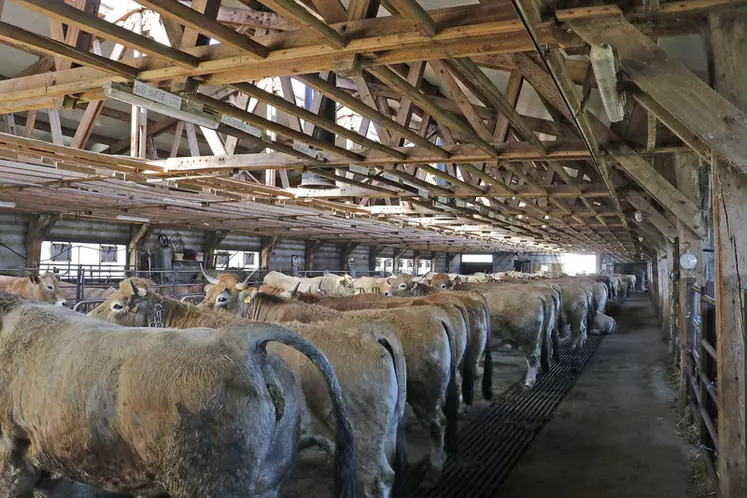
[224, 292]
[443, 282]
[131, 304]
[46, 289]
[348, 285]
[402, 285]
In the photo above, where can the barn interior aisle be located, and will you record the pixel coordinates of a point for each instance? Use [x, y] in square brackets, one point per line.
[614, 434]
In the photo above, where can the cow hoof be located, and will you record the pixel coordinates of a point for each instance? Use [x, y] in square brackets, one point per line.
[431, 479]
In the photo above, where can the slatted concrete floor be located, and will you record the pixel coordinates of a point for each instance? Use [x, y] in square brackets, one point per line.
[494, 441]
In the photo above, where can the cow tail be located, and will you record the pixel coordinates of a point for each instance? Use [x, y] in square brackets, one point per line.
[487, 371]
[592, 311]
[451, 407]
[345, 476]
[399, 490]
[545, 337]
[468, 364]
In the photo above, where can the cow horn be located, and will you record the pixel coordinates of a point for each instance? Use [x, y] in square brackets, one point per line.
[211, 280]
[134, 289]
[295, 290]
[246, 280]
[319, 287]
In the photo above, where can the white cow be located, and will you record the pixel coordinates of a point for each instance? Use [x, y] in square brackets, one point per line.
[329, 285]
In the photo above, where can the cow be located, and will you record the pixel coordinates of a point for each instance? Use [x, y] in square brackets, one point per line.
[475, 314]
[443, 281]
[430, 353]
[222, 291]
[330, 285]
[367, 358]
[603, 324]
[44, 288]
[196, 412]
[368, 285]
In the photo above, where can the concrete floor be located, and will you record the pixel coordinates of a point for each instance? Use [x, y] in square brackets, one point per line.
[614, 434]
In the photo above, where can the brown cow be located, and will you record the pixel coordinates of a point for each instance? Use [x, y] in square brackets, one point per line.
[196, 412]
[368, 361]
[430, 353]
[44, 288]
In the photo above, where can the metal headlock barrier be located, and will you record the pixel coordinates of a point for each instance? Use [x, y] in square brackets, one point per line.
[702, 364]
[493, 442]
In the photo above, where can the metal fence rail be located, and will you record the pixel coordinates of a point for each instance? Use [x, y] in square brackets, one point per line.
[702, 363]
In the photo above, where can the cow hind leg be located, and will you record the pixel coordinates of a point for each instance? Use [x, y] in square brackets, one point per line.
[533, 367]
[432, 421]
[18, 477]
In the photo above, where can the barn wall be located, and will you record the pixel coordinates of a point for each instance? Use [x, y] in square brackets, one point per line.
[361, 255]
[13, 228]
[440, 264]
[503, 261]
[235, 242]
[93, 232]
[327, 257]
[283, 252]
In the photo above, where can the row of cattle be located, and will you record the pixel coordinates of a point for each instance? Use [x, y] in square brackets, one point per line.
[181, 400]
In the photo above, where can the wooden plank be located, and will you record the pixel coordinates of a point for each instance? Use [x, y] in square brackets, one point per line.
[332, 11]
[299, 14]
[177, 139]
[404, 113]
[107, 30]
[711, 117]
[55, 126]
[20, 37]
[194, 148]
[727, 31]
[202, 24]
[361, 9]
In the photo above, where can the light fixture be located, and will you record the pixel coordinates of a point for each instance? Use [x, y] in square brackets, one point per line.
[7, 204]
[638, 216]
[137, 219]
[604, 61]
[160, 101]
[688, 260]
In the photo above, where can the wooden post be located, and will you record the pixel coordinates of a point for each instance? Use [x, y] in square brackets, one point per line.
[308, 254]
[687, 171]
[374, 253]
[39, 228]
[417, 255]
[452, 266]
[265, 253]
[434, 260]
[728, 43]
[397, 255]
[136, 242]
[347, 250]
[212, 241]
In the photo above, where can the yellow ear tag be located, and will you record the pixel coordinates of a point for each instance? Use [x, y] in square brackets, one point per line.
[135, 308]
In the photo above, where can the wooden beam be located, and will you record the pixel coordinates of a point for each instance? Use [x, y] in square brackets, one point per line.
[715, 120]
[294, 110]
[345, 253]
[136, 242]
[266, 250]
[39, 228]
[411, 10]
[278, 128]
[470, 71]
[651, 214]
[406, 90]
[727, 42]
[308, 254]
[20, 37]
[296, 12]
[100, 27]
[202, 24]
[457, 94]
[356, 105]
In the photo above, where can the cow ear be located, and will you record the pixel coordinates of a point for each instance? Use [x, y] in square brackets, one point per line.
[389, 280]
[34, 277]
[413, 285]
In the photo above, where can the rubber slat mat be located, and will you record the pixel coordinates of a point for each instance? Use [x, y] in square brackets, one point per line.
[493, 442]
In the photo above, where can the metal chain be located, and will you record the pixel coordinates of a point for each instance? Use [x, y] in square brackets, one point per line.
[157, 316]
